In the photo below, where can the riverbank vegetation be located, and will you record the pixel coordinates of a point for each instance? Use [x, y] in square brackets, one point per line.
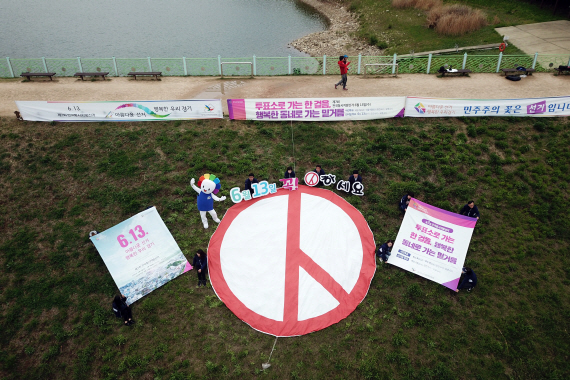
[402, 26]
[59, 181]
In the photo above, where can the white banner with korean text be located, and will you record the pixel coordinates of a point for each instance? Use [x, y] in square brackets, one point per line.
[433, 243]
[441, 107]
[141, 254]
[121, 111]
[316, 109]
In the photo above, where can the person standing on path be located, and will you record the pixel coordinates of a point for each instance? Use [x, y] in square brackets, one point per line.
[343, 64]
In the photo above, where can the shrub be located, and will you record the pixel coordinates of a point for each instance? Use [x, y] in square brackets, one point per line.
[456, 19]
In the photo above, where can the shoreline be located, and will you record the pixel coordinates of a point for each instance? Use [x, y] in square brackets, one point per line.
[338, 39]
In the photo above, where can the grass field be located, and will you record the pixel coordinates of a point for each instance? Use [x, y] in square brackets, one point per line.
[59, 181]
[404, 30]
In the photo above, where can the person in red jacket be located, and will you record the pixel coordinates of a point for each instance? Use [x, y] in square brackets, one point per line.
[343, 64]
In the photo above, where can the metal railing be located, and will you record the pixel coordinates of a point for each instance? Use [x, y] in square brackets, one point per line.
[269, 66]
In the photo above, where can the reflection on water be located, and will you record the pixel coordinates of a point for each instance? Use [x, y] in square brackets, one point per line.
[165, 29]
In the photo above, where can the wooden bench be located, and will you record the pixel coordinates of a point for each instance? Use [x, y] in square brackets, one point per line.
[564, 70]
[155, 74]
[30, 75]
[518, 72]
[459, 72]
[96, 74]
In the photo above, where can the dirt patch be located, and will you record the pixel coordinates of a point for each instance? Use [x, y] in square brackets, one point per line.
[339, 38]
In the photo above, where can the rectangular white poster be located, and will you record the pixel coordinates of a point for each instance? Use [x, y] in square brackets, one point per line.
[121, 110]
[441, 107]
[141, 254]
[316, 109]
[433, 243]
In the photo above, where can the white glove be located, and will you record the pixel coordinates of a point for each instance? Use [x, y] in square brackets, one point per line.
[192, 181]
[222, 198]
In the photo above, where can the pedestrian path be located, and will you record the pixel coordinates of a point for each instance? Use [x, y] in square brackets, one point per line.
[477, 86]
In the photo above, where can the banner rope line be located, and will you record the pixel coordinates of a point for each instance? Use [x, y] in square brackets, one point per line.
[293, 142]
[266, 365]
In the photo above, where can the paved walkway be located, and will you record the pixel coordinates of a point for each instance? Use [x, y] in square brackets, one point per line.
[478, 86]
[551, 37]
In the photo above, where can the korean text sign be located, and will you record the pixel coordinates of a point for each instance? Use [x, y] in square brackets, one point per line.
[121, 111]
[316, 109]
[433, 243]
[440, 107]
[141, 254]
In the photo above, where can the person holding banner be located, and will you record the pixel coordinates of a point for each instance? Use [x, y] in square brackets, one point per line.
[343, 64]
[405, 201]
[385, 251]
[200, 263]
[470, 210]
[289, 173]
[319, 170]
[355, 177]
[123, 310]
[250, 180]
[469, 280]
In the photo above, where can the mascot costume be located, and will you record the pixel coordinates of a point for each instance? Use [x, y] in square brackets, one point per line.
[208, 186]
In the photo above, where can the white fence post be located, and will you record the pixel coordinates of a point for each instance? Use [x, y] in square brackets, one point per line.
[185, 68]
[535, 58]
[10, 66]
[45, 64]
[115, 65]
[464, 61]
[394, 64]
[149, 64]
[254, 66]
[220, 64]
[359, 62]
[79, 64]
[429, 64]
[289, 65]
[325, 64]
[499, 62]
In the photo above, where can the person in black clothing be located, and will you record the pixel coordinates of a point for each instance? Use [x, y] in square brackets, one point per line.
[250, 179]
[121, 309]
[355, 177]
[405, 201]
[470, 210]
[200, 263]
[384, 251]
[289, 173]
[469, 280]
[319, 170]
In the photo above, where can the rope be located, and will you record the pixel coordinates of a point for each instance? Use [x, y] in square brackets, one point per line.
[293, 142]
[266, 365]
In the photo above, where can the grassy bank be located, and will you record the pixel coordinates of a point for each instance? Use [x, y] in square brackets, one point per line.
[403, 30]
[60, 181]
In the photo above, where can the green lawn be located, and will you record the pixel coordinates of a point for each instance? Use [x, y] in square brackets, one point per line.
[404, 29]
[59, 181]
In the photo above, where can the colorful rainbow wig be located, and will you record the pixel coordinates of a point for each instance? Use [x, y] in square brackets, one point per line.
[211, 177]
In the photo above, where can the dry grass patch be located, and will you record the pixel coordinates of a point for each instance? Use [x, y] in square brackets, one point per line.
[418, 4]
[456, 19]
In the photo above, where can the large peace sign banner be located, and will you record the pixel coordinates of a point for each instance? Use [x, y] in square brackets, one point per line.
[292, 262]
[433, 243]
[141, 254]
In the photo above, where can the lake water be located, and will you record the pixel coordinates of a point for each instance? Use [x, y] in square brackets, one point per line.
[159, 29]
